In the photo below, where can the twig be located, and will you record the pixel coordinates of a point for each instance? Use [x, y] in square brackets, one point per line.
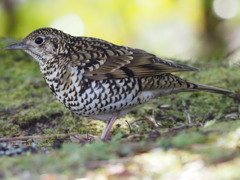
[188, 117]
[185, 111]
[130, 129]
[22, 138]
[239, 108]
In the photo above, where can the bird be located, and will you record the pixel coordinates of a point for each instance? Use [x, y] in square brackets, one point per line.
[101, 80]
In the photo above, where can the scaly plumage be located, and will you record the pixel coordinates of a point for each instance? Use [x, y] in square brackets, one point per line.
[96, 78]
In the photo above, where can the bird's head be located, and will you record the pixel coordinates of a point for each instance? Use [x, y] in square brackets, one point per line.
[42, 44]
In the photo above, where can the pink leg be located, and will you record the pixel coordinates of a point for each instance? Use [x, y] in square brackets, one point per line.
[109, 125]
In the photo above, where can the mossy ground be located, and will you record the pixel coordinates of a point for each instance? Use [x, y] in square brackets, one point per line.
[199, 132]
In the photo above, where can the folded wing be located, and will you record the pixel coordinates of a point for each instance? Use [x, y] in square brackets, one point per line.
[111, 61]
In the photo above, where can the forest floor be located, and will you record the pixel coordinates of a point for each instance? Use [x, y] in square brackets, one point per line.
[181, 136]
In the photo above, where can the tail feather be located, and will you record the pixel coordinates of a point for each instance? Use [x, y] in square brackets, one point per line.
[168, 83]
[200, 87]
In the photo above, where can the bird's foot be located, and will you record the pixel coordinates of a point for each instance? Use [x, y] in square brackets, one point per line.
[109, 125]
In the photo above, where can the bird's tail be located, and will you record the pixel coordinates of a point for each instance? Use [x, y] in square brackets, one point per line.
[200, 87]
[168, 83]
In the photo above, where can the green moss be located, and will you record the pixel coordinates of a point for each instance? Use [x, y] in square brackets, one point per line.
[27, 107]
[185, 139]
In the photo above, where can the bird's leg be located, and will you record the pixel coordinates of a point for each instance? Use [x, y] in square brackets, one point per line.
[109, 125]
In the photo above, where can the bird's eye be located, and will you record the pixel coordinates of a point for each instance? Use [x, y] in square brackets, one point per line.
[39, 40]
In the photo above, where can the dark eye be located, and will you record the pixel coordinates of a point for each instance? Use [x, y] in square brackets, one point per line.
[39, 40]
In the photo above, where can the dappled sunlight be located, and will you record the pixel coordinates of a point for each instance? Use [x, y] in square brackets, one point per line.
[170, 40]
[231, 140]
[226, 9]
[69, 23]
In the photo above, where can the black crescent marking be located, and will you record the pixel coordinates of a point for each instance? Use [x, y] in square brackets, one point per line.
[127, 71]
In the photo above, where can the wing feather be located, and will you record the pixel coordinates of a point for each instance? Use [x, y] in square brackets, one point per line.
[121, 62]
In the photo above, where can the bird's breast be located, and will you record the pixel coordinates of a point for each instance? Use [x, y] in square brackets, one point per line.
[92, 97]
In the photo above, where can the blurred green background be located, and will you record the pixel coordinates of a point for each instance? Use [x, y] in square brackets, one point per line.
[180, 29]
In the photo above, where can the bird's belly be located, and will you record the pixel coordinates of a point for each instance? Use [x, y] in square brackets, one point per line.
[102, 104]
[101, 97]
[125, 105]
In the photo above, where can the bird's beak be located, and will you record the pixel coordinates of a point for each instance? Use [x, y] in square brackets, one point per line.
[15, 46]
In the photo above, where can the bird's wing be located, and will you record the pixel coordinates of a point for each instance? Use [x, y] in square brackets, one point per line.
[120, 62]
